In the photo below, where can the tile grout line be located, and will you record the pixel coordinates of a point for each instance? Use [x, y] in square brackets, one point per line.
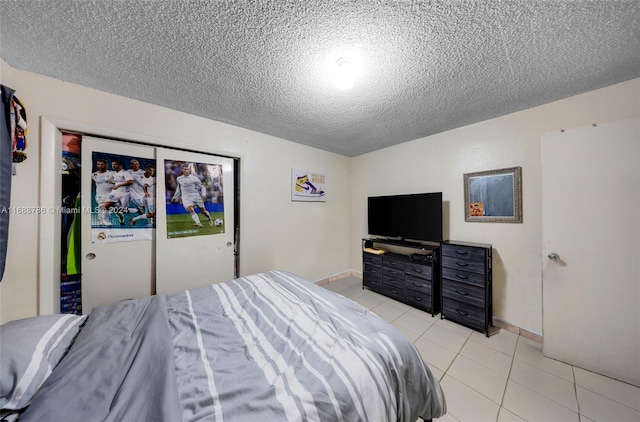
[549, 398]
[575, 389]
[573, 368]
[491, 349]
[508, 378]
[506, 384]
[454, 359]
[500, 406]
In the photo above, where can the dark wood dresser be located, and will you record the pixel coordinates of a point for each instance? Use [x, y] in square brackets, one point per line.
[466, 272]
[413, 279]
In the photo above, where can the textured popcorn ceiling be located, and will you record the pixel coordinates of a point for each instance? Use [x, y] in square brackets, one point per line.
[428, 66]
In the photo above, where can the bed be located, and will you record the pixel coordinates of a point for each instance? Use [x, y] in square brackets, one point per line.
[266, 347]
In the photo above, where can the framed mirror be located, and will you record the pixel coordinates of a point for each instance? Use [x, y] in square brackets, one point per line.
[493, 196]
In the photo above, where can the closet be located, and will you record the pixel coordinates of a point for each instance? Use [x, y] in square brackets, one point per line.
[129, 255]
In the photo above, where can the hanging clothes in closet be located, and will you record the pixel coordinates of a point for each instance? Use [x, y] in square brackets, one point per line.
[70, 278]
[13, 143]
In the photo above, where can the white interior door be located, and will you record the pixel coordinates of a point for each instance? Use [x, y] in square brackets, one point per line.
[195, 240]
[113, 268]
[591, 248]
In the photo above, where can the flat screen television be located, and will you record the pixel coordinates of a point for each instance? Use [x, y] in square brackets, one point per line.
[406, 217]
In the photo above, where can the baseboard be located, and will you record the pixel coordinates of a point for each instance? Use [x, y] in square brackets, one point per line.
[344, 274]
[496, 321]
[517, 330]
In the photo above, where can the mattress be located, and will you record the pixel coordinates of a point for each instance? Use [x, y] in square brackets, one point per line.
[269, 346]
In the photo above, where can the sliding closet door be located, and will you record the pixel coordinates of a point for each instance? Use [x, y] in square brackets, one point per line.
[130, 251]
[195, 220]
[118, 260]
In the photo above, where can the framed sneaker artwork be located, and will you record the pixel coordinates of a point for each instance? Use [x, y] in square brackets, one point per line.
[308, 186]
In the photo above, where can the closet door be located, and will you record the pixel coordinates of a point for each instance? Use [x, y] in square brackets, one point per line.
[195, 221]
[188, 242]
[114, 267]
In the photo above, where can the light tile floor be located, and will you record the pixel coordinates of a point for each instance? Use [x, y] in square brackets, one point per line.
[501, 378]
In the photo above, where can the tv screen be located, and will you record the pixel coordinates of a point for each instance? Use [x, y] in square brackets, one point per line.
[406, 217]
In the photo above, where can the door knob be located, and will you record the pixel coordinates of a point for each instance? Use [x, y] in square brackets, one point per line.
[553, 256]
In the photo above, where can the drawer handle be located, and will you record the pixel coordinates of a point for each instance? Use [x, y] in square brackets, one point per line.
[461, 293]
[417, 299]
[464, 277]
[418, 285]
[462, 264]
[417, 270]
[462, 253]
[462, 312]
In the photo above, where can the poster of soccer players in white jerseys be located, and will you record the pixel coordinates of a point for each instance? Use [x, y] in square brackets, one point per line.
[123, 198]
[194, 199]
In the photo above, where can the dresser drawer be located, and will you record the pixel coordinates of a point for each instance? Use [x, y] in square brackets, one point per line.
[392, 272]
[464, 293]
[372, 271]
[371, 259]
[462, 264]
[463, 276]
[393, 290]
[418, 299]
[392, 261]
[417, 284]
[463, 313]
[463, 252]
[392, 281]
[418, 270]
[372, 283]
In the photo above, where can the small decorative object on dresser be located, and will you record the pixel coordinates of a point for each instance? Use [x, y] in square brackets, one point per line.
[467, 296]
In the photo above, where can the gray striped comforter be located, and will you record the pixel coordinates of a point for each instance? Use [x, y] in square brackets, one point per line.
[267, 347]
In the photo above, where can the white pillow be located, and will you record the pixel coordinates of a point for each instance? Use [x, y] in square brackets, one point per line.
[29, 351]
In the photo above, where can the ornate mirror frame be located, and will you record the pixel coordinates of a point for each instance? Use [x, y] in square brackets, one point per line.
[493, 196]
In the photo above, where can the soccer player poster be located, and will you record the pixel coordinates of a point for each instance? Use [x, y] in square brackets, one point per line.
[122, 198]
[194, 199]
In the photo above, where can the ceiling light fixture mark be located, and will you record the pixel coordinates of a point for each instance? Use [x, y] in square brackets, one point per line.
[345, 74]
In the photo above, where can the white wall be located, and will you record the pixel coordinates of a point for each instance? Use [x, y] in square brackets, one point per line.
[319, 240]
[310, 239]
[437, 163]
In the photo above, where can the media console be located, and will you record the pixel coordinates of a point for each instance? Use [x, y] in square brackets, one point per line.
[410, 274]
